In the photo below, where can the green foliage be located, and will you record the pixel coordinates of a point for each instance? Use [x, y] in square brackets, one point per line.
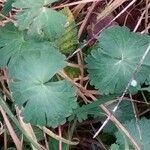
[32, 49]
[111, 66]
[11, 44]
[38, 19]
[69, 39]
[131, 126]
[114, 147]
[72, 72]
[81, 113]
[124, 113]
[54, 144]
[46, 102]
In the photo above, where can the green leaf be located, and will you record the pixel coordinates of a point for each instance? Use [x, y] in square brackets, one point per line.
[10, 44]
[13, 43]
[123, 113]
[131, 126]
[54, 144]
[45, 102]
[91, 109]
[68, 42]
[111, 65]
[38, 19]
[114, 147]
[72, 72]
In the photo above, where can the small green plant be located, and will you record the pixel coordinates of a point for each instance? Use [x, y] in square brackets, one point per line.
[34, 50]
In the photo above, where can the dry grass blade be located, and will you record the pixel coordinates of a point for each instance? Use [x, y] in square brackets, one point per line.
[7, 18]
[136, 118]
[75, 3]
[26, 127]
[78, 9]
[110, 8]
[146, 15]
[60, 134]
[59, 138]
[11, 130]
[85, 44]
[140, 19]
[86, 19]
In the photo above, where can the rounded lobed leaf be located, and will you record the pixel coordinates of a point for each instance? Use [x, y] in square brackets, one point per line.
[45, 102]
[39, 20]
[13, 43]
[10, 44]
[112, 64]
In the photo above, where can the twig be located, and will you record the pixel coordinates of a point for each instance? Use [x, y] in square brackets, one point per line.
[110, 8]
[80, 57]
[9, 19]
[46, 142]
[136, 119]
[86, 19]
[50, 133]
[74, 3]
[60, 135]
[146, 15]
[73, 65]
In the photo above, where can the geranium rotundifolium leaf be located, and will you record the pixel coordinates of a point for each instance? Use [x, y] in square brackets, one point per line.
[13, 43]
[10, 44]
[40, 20]
[112, 64]
[44, 102]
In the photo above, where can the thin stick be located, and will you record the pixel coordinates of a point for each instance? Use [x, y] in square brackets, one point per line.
[136, 119]
[50, 133]
[73, 65]
[110, 8]
[75, 3]
[80, 58]
[10, 20]
[146, 15]
[60, 134]
[86, 19]
[5, 140]
[46, 142]
[129, 5]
